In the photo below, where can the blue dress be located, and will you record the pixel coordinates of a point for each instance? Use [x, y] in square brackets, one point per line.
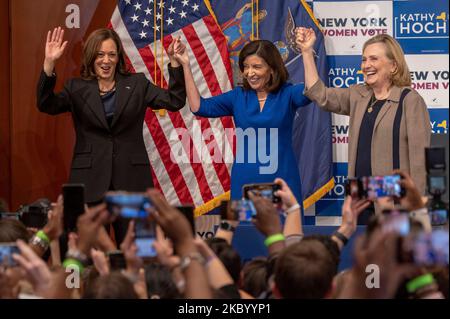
[263, 138]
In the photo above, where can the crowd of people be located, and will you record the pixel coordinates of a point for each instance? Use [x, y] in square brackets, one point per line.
[185, 266]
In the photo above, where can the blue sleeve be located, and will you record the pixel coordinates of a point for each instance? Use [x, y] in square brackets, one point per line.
[217, 106]
[297, 97]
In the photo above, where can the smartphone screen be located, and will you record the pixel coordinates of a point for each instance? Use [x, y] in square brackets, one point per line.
[436, 184]
[128, 205]
[396, 221]
[6, 252]
[383, 186]
[266, 190]
[431, 248]
[145, 231]
[73, 205]
[242, 210]
[188, 212]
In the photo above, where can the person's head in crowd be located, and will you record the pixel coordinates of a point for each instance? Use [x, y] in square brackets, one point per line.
[254, 276]
[227, 255]
[262, 67]
[111, 286]
[12, 230]
[330, 244]
[160, 284]
[383, 63]
[304, 270]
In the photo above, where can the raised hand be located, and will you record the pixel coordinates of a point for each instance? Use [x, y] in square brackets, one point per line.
[54, 48]
[305, 39]
[181, 53]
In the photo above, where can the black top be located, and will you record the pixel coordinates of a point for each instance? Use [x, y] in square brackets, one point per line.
[363, 155]
[109, 104]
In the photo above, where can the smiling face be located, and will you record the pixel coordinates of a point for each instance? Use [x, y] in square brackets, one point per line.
[376, 66]
[106, 60]
[257, 72]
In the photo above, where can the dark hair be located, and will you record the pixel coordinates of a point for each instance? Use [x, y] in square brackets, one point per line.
[304, 270]
[160, 282]
[111, 286]
[227, 255]
[267, 51]
[11, 230]
[330, 245]
[91, 48]
[254, 275]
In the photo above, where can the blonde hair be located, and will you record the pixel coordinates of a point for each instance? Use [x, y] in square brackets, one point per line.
[401, 76]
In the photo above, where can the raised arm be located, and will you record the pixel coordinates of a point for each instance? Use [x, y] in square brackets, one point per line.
[181, 55]
[336, 100]
[54, 49]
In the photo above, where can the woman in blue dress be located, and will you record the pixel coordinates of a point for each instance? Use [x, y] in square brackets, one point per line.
[263, 110]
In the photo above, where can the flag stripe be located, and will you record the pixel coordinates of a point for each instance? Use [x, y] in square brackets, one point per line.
[169, 125]
[214, 88]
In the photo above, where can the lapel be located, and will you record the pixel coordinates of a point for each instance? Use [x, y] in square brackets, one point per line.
[394, 97]
[92, 98]
[124, 88]
[361, 107]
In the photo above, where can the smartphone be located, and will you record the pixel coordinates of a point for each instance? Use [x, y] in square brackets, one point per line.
[428, 249]
[188, 212]
[396, 221]
[382, 186]
[73, 195]
[116, 260]
[128, 205]
[436, 184]
[435, 159]
[266, 190]
[145, 231]
[6, 252]
[438, 217]
[242, 210]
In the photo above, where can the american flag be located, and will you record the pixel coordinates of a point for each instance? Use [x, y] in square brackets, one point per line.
[203, 180]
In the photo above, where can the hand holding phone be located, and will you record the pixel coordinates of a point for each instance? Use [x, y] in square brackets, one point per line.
[6, 252]
[266, 190]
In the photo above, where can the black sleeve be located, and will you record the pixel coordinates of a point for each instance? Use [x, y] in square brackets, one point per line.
[49, 102]
[172, 99]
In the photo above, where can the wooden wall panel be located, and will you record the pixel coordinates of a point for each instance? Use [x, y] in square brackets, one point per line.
[42, 145]
[5, 145]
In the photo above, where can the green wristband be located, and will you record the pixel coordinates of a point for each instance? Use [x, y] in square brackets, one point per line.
[273, 239]
[40, 234]
[73, 262]
[419, 282]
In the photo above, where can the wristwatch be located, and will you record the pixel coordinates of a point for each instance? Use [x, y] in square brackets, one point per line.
[225, 225]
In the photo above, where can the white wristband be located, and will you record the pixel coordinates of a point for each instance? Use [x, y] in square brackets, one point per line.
[292, 208]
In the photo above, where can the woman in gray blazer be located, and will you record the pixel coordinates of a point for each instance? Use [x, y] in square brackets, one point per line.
[389, 122]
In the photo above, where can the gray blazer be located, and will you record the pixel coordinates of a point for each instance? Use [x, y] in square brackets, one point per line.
[415, 128]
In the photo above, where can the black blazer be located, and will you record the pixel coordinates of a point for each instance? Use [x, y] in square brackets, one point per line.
[110, 156]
